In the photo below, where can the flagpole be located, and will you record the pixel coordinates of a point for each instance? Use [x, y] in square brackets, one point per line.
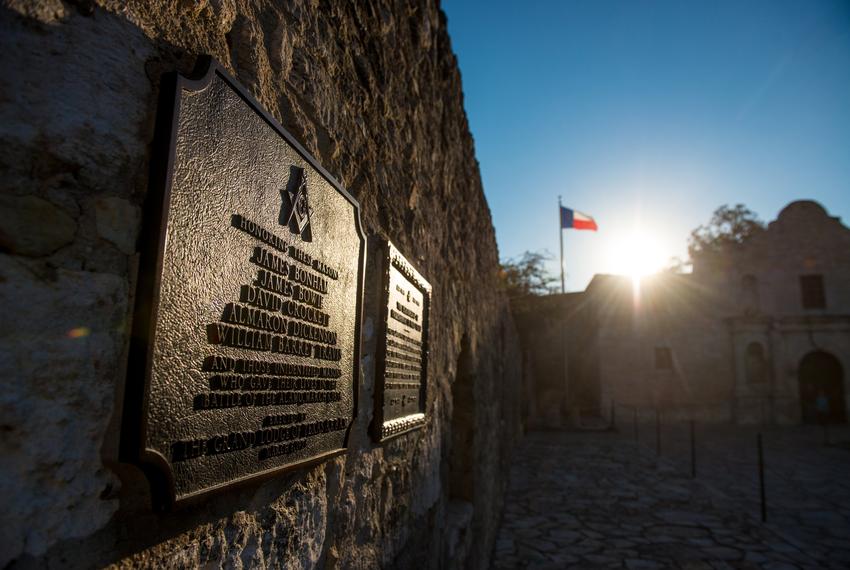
[561, 239]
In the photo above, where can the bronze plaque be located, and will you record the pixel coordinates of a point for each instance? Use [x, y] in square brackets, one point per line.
[403, 350]
[246, 343]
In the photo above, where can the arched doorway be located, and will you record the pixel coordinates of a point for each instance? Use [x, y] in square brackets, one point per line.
[822, 388]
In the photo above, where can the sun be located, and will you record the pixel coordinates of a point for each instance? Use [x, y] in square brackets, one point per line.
[637, 255]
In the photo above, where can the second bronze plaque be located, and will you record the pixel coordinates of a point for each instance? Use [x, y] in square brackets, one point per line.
[401, 373]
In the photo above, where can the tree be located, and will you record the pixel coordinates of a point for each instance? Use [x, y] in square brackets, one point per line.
[527, 275]
[729, 228]
[676, 265]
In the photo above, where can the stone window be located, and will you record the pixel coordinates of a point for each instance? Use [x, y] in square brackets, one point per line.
[663, 358]
[756, 364]
[811, 288]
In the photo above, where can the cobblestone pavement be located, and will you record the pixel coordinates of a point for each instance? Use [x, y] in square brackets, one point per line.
[807, 483]
[599, 500]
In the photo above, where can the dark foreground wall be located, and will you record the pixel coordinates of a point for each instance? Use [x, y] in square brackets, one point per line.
[372, 89]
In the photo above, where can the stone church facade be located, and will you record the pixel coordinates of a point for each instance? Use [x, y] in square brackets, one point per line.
[760, 334]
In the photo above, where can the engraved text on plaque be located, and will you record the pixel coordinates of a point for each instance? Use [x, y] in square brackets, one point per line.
[403, 350]
[245, 352]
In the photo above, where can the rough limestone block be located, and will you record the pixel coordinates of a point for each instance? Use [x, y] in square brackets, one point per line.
[117, 222]
[59, 344]
[32, 226]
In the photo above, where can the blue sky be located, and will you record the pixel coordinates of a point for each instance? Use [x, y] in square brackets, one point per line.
[649, 115]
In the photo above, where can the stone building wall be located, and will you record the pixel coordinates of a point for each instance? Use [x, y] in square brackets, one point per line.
[676, 314]
[747, 296]
[708, 320]
[371, 89]
[556, 333]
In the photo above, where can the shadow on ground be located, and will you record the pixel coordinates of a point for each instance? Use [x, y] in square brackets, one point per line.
[603, 500]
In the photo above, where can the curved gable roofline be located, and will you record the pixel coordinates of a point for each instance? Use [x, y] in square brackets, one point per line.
[804, 212]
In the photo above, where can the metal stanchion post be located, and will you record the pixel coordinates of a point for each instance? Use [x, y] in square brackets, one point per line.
[658, 432]
[636, 425]
[693, 452]
[761, 479]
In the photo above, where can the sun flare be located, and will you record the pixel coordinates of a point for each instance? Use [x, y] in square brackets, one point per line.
[638, 255]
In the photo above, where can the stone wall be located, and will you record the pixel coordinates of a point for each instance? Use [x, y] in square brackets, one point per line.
[673, 314]
[373, 91]
[594, 352]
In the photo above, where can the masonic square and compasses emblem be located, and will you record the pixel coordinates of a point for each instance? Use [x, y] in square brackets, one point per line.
[295, 211]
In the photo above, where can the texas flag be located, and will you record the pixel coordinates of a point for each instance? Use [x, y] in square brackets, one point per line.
[576, 220]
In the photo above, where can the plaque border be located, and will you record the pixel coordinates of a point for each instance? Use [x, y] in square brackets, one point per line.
[376, 427]
[152, 238]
